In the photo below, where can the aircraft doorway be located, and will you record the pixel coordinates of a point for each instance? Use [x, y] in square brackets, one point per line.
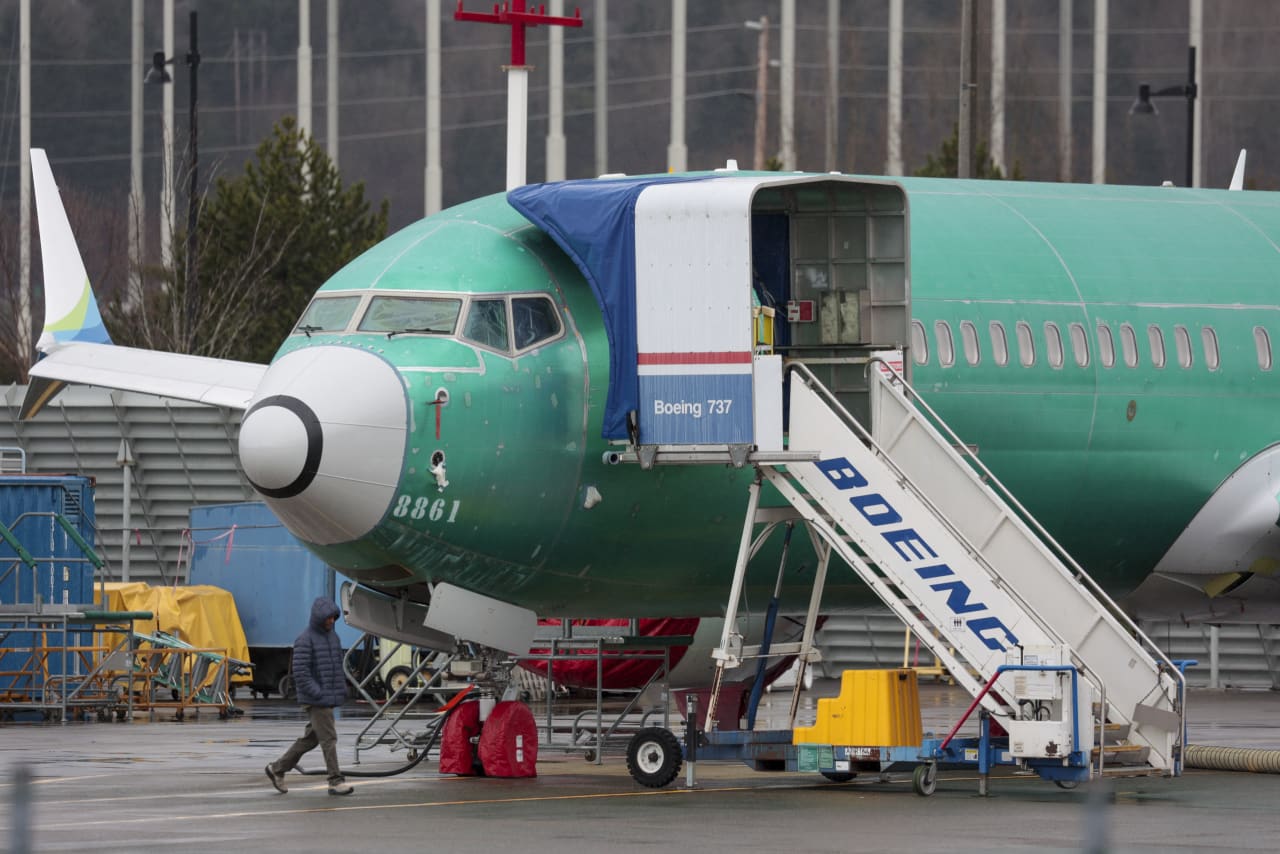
[831, 257]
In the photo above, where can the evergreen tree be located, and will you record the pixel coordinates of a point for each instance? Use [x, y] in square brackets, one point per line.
[265, 241]
[947, 163]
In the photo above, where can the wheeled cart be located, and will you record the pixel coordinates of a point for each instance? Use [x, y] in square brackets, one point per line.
[885, 704]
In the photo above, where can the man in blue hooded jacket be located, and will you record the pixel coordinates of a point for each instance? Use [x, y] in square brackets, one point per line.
[321, 685]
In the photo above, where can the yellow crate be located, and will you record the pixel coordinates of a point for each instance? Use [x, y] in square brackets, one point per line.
[875, 708]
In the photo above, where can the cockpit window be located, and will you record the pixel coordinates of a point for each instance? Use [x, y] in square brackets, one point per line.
[396, 315]
[534, 320]
[327, 314]
[487, 323]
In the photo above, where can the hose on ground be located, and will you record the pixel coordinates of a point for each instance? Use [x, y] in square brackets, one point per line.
[435, 729]
[1252, 759]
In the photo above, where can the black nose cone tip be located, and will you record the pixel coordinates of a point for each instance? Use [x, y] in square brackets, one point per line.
[315, 445]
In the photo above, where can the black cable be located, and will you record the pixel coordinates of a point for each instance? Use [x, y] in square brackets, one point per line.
[413, 763]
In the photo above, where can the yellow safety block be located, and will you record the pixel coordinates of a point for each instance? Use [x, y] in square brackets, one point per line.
[875, 708]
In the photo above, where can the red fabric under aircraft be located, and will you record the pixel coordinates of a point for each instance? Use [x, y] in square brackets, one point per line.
[617, 673]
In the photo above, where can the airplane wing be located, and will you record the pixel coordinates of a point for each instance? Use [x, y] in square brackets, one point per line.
[218, 382]
[75, 344]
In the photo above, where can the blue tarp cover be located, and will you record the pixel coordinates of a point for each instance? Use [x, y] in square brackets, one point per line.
[594, 222]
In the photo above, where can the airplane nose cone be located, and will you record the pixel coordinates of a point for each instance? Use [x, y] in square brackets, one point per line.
[323, 441]
[281, 443]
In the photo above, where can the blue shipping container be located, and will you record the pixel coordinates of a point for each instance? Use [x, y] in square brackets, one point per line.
[63, 574]
[243, 548]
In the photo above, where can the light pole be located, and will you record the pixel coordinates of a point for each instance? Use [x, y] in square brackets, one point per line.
[1143, 106]
[158, 74]
[761, 26]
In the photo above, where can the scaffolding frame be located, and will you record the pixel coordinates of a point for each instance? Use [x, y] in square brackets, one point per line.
[47, 668]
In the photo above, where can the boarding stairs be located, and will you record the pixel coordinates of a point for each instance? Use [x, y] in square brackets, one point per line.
[923, 522]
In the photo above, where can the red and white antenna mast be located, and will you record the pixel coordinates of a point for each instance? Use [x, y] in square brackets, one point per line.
[514, 14]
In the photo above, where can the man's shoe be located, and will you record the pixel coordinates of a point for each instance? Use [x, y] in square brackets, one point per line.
[340, 789]
[277, 780]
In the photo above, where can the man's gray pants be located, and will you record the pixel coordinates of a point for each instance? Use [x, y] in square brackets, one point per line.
[320, 731]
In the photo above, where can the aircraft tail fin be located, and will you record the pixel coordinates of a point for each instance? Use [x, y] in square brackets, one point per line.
[1237, 177]
[76, 347]
[70, 309]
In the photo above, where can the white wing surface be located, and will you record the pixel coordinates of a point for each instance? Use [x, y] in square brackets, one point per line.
[217, 382]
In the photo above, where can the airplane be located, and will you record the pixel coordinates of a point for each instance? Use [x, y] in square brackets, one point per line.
[444, 421]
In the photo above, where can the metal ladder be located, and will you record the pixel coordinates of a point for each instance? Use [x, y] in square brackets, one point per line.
[946, 547]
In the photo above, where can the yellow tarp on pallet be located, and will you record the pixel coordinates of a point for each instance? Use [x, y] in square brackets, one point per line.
[199, 614]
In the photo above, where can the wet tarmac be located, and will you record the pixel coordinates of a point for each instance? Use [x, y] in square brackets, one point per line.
[199, 783]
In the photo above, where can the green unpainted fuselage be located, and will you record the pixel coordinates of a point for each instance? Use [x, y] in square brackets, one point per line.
[1114, 461]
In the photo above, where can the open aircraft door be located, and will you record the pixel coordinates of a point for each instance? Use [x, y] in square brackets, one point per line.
[827, 254]
[678, 263]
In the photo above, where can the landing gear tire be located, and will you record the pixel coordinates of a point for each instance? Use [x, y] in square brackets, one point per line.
[924, 780]
[839, 776]
[654, 757]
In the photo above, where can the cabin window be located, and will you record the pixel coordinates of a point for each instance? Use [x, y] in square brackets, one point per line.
[1209, 339]
[1106, 346]
[946, 345]
[1080, 344]
[1156, 338]
[1262, 341]
[919, 343]
[1053, 345]
[969, 338]
[533, 320]
[327, 314]
[999, 343]
[1129, 344]
[1182, 344]
[426, 316]
[487, 323]
[1026, 344]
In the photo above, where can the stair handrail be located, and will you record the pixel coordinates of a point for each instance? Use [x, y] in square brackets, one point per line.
[1028, 519]
[814, 383]
[838, 408]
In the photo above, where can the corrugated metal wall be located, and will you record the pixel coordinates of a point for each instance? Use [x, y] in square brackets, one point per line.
[184, 454]
[1248, 654]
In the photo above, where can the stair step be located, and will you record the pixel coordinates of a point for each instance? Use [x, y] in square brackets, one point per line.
[1123, 754]
[1118, 771]
[1114, 734]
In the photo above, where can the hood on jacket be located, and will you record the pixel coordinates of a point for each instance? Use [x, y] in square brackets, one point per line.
[322, 609]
